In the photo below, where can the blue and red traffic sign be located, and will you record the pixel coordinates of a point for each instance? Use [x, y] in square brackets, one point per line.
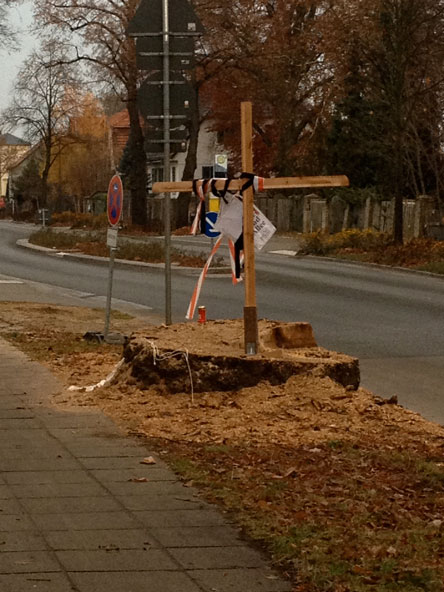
[115, 200]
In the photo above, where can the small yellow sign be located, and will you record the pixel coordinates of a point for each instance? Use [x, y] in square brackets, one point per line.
[213, 204]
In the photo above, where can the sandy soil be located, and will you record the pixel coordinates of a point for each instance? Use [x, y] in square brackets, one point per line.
[307, 409]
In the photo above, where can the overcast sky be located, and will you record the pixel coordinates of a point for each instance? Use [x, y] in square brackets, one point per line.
[21, 19]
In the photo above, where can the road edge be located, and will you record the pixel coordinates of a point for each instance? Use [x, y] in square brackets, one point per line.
[373, 265]
[195, 271]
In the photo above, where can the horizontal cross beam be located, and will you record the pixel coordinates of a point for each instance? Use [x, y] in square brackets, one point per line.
[271, 183]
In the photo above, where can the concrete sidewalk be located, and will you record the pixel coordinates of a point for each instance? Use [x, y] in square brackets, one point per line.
[76, 515]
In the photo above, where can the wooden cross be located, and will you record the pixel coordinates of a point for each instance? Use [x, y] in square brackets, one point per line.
[250, 311]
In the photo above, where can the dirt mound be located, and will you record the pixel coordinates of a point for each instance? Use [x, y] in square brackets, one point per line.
[152, 391]
[209, 357]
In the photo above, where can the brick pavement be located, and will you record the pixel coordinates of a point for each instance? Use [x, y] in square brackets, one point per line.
[72, 520]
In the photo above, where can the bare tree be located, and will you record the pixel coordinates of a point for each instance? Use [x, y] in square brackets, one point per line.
[8, 39]
[42, 104]
[100, 27]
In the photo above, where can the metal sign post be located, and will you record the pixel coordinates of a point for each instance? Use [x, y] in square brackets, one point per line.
[165, 31]
[109, 292]
[44, 219]
[166, 157]
[114, 210]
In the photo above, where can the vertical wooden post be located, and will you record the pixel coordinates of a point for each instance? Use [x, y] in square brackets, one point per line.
[250, 311]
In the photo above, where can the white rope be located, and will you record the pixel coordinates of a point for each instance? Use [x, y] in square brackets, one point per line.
[104, 382]
[157, 356]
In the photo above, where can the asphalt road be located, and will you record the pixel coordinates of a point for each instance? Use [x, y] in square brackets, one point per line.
[391, 320]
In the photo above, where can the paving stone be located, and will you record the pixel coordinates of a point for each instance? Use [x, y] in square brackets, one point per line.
[161, 502]
[72, 421]
[70, 505]
[44, 464]
[157, 581]
[21, 541]
[14, 424]
[170, 488]
[10, 506]
[36, 582]
[197, 536]
[85, 521]
[16, 382]
[25, 437]
[31, 453]
[111, 433]
[28, 561]
[116, 560]
[117, 464]
[27, 444]
[5, 492]
[217, 557]
[15, 523]
[116, 441]
[54, 490]
[139, 470]
[234, 580]
[165, 518]
[41, 477]
[99, 539]
[15, 413]
[13, 450]
[8, 401]
[104, 451]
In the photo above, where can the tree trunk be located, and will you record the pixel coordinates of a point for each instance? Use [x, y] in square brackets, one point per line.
[43, 198]
[398, 221]
[137, 176]
[190, 164]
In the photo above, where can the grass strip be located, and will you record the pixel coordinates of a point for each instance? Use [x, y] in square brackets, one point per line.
[94, 243]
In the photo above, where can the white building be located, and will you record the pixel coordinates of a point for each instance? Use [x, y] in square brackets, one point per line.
[11, 150]
[208, 149]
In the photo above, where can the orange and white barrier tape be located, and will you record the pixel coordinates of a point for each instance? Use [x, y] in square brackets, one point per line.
[196, 220]
[201, 195]
[258, 184]
[200, 281]
[196, 293]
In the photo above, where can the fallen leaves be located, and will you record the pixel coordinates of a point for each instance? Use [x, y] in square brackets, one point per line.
[330, 479]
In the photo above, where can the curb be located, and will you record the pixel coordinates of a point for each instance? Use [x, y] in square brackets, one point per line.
[375, 266]
[25, 244]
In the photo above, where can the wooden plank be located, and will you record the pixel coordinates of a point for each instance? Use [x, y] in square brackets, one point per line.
[271, 183]
[250, 313]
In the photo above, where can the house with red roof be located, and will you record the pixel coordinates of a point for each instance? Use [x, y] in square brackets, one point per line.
[208, 149]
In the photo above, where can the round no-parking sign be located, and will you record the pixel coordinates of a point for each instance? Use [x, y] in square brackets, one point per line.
[115, 200]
